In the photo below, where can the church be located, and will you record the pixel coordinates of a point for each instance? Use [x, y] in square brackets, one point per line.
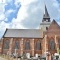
[33, 41]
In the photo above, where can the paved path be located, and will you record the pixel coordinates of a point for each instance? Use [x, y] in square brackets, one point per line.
[2, 58]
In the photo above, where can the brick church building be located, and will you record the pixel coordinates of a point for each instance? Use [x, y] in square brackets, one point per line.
[33, 41]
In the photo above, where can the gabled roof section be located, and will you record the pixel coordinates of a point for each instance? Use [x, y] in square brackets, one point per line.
[4, 32]
[24, 33]
[54, 26]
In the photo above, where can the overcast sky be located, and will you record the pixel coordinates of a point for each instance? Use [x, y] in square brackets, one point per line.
[26, 14]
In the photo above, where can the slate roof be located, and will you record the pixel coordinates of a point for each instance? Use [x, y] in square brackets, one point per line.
[27, 33]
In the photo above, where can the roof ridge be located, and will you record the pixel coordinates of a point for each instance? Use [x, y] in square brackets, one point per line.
[54, 25]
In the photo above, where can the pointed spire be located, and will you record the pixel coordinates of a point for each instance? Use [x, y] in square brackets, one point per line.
[46, 15]
[46, 12]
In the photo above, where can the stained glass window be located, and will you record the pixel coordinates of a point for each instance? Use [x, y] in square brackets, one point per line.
[6, 44]
[52, 44]
[38, 45]
[59, 43]
[27, 45]
[17, 45]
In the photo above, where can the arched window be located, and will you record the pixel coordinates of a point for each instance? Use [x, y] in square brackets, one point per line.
[17, 45]
[52, 44]
[59, 43]
[27, 45]
[6, 44]
[38, 45]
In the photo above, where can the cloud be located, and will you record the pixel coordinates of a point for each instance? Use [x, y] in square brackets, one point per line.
[56, 3]
[22, 13]
[34, 16]
[2, 10]
[28, 15]
[28, 12]
[2, 17]
[15, 24]
[26, 2]
[31, 16]
[8, 11]
[53, 8]
[3, 27]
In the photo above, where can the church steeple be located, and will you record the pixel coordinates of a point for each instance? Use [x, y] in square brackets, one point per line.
[46, 13]
[46, 17]
[45, 21]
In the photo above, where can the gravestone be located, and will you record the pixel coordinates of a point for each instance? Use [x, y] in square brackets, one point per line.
[36, 55]
[28, 55]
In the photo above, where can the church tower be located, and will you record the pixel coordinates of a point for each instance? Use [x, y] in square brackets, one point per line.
[45, 21]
